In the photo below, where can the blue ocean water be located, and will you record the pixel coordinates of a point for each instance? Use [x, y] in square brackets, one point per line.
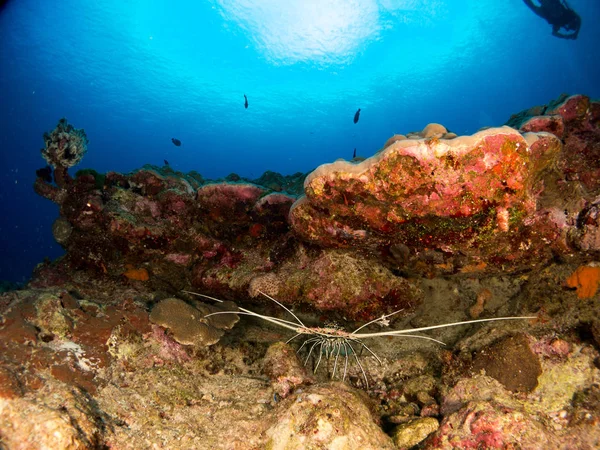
[136, 73]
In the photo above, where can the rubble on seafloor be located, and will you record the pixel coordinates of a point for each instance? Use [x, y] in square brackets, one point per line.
[104, 349]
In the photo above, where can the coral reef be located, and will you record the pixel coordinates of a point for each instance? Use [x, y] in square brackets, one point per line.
[231, 239]
[429, 203]
[470, 199]
[106, 350]
[574, 119]
[83, 367]
[65, 145]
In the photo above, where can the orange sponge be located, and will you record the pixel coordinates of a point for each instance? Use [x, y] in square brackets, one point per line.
[137, 274]
[586, 280]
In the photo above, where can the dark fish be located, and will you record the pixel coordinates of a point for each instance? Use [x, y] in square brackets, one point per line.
[45, 173]
[354, 154]
[357, 115]
[245, 101]
[177, 142]
[166, 162]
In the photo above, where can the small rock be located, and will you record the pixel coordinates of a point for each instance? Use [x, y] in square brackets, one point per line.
[284, 369]
[512, 362]
[51, 317]
[332, 416]
[411, 433]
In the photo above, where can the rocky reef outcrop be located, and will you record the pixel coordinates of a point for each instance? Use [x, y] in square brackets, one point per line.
[428, 203]
[103, 349]
[83, 366]
[467, 200]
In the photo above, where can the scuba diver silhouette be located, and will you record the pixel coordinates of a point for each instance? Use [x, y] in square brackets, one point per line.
[558, 14]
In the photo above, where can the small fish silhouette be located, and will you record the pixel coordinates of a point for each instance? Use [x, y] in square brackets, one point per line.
[357, 115]
[177, 142]
[166, 162]
[45, 173]
[245, 101]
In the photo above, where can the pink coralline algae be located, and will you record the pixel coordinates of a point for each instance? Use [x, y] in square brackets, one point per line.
[472, 196]
[179, 258]
[576, 120]
[491, 426]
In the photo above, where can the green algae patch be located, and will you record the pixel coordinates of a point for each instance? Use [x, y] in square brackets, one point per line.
[561, 380]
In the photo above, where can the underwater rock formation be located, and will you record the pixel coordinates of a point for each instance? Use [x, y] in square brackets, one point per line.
[428, 203]
[227, 238]
[575, 119]
[83, 365]
[471, 199]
